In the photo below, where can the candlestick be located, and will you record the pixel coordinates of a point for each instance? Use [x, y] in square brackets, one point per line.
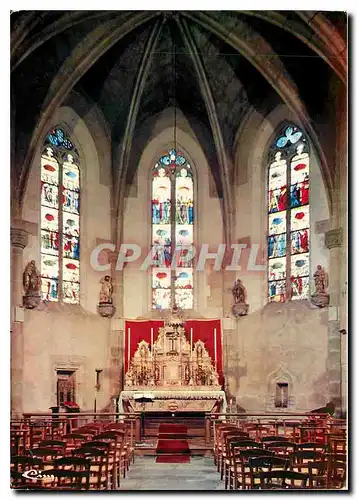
[215, 348]
[151, 342]
[191, 342]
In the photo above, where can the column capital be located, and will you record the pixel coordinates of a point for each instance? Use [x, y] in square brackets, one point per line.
[19, 237]
[333, 238]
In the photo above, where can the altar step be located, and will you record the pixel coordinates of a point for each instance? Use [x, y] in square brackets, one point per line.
[197, 447]
[195, 425]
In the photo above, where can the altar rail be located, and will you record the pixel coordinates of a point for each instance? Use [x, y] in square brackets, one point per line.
[279, 420]
[69, 421]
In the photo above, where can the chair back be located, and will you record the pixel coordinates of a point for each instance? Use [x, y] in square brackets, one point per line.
[282, 480]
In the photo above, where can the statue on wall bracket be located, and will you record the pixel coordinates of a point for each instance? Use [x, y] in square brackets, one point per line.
[240, 307]
[321, 297]
[105, 306]
[32, 286]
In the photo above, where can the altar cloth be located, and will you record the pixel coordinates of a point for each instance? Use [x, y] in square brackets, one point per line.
[174, 400]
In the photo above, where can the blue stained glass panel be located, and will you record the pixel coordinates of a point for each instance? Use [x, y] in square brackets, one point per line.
[300, 287]
[161, 277]
[49, 195]
[276, 246]
[277, 291]
[71, 247]
[277, 269]
[277, 223]
[71, 201]
[300, 241]
[49, 242]
[49, 289]
[71, 224]
[300, 265]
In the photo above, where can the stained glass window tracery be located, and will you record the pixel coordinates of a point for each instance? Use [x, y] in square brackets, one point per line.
[288, 217]
[60, 219]
[172, 232]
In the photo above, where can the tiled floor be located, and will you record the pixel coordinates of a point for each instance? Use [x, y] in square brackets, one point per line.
[146, 474]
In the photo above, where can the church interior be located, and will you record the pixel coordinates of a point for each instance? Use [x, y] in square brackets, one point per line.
[179, 250]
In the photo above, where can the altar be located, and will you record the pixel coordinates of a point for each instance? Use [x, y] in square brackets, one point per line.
[172, 374]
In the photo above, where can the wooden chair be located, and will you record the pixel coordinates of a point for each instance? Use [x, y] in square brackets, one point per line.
[220, 430]
[304, 456]
[47, 455]
[20, 464]
[281, 448]
[270, 439]
[117, 455]
[336, 471]
[235, 447]
[317, 472]
[240, 468]
[282, 480]
[225, 457]
[68, 480]
[99, 476]
[224, 449]
[259, 464]
[321, 447]
[124, 432]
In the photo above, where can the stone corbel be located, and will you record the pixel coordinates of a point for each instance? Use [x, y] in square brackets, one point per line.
[333, 238]
[19, 237]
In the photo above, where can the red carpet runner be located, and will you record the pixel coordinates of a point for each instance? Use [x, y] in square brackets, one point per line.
[172, 447]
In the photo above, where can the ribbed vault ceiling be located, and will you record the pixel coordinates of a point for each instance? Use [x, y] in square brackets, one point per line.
[226, 63]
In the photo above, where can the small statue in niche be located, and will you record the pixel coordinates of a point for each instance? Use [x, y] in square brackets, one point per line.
[32, 279]
[105, 306]
[32, 286]
[239, 292]
[320, 280]
[240, 307]
[105, 295]
[320, 298]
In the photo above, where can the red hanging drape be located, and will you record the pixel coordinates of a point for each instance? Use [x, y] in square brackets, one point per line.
[202, 330]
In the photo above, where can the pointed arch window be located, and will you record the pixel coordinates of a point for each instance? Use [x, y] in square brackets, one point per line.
[60, 219]
[288, 216]
[172, 232]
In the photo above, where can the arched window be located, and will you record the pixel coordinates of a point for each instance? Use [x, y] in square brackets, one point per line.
[172, 232]
[60, 219]
[288, 216]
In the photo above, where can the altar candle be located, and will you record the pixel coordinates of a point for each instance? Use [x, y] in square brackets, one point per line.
[124, 344]
[191, 341]
[151, 341]
[215, 347]
[129, 345]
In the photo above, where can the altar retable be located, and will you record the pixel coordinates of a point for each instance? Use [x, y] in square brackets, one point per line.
[174, 374]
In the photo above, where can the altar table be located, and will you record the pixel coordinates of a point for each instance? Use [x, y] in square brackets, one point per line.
[174, 400]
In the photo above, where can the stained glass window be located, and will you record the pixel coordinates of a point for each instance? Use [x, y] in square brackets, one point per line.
[60, 219]
[288, 217]
[172, 232]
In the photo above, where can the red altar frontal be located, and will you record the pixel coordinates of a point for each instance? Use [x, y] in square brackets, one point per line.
[175, 364]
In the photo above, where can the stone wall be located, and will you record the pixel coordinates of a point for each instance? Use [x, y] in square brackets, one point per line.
[279, 343]
[65, 336]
